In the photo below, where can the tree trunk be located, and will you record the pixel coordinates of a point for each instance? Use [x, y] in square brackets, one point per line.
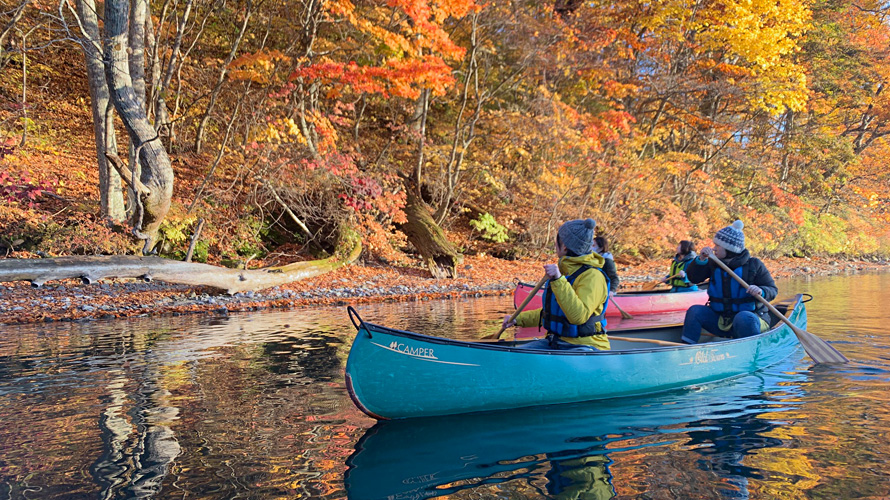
[155, 186]
[418, 124]
[422, 231]
[136, 41]
[111, 197]
[136, 61]
[10, 26]
[90, 269]
[154, 61]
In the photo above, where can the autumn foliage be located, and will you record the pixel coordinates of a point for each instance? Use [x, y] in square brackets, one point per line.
[661, 120]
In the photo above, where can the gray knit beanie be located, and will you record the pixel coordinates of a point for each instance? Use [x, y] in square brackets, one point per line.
[731, 237]
[577, 235]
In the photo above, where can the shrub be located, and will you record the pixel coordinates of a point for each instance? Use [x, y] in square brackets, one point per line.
[23, 190]
[490, 229]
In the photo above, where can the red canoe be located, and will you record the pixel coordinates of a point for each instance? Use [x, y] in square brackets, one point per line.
[652, 309]
[633, 303]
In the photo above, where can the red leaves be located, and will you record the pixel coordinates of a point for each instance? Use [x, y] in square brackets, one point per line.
[398, 78]
[23, 190]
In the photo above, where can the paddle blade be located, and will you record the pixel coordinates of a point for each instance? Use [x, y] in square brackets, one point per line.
[624, 315]
[651, 285]
[818, 349]
[494, 336]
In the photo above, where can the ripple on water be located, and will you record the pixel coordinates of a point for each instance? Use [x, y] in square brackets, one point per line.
[253, 405]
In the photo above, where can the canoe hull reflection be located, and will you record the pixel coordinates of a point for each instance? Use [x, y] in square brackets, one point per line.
[436, 457]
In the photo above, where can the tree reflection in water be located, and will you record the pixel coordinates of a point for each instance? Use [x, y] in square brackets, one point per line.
[210, 407]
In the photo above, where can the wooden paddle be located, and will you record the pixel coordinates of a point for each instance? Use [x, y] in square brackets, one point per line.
[648, 341]
[519, 309]
[652, 284]
[623, 314]
[816, 348]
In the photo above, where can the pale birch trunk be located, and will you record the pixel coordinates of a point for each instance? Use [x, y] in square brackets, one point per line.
[111, 197]
[154, 186]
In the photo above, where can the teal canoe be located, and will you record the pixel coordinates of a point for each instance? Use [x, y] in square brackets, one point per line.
[395, 374]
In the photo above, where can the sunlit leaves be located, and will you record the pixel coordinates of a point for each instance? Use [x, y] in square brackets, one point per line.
[257, 66]
[412, 48]
[400, 78]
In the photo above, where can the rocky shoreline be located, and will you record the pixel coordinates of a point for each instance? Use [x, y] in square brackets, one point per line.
[363, 283]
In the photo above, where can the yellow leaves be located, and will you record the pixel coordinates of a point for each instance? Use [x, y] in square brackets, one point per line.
[755, 41]
[280, 131]
[492, 181]
[765, 35]
[292, 128]
[556, 176]
[257, 66]
[327, 134]
[175, 228]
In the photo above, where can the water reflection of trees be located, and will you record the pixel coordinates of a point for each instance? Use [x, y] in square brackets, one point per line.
[211, 408]
[256, 407]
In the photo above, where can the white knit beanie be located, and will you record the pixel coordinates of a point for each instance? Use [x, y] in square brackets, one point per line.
[731, 237]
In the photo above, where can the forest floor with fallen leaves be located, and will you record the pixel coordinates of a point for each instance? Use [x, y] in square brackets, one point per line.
[478, 276]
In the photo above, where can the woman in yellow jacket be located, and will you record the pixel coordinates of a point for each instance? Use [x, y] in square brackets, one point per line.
[575, 297]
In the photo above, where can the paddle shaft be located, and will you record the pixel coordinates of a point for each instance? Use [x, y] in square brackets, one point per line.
[525, 302]
[624, 314]
[647, 341]
[758, 297]
[818, 349]
[652, 284]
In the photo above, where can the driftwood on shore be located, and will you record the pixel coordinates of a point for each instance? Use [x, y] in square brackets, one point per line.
[90, 269]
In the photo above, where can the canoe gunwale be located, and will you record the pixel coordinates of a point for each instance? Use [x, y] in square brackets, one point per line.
[515, 346]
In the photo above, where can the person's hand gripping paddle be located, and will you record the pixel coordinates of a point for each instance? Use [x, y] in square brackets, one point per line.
[519, 309]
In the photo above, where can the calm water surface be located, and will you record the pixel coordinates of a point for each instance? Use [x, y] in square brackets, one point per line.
[253, 406]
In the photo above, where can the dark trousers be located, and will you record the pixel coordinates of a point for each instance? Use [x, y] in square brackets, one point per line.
[745, 324]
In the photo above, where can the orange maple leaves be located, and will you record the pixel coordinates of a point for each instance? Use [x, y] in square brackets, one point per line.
[412, 50]
[401, 78]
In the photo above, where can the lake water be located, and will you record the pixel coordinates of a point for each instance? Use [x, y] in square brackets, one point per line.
[254, 406]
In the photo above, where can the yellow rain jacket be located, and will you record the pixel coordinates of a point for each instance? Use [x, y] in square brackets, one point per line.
[579, 301]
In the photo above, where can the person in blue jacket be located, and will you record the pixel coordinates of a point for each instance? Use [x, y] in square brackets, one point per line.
[732, 311]
[677, 277]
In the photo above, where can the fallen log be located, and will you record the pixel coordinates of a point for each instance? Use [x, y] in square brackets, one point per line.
[90, 269]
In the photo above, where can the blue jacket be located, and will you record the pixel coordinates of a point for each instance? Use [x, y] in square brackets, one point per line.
[726, 296]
